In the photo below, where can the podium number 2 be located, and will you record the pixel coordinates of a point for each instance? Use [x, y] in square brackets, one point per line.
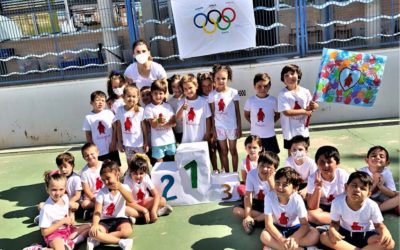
[170, 182]
[193, 172]
[227, 191]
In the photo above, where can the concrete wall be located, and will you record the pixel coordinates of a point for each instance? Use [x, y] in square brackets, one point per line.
[51, 114]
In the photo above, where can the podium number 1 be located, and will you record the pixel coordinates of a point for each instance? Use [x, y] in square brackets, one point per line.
[193, 172]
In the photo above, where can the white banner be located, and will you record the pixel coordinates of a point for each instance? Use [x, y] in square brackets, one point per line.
[205, 27]
[224, 187]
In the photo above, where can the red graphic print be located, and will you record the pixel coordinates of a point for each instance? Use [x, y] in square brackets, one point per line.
[191, 115]
[110, 209]
[283, 220]
[357, 227]
[99, 183]
[221, 105]
[260, 115]
[101, 128]
[330, 198]
[348, 80]
[260, 195]
[140, 195]
[128, 124]
[296, 105]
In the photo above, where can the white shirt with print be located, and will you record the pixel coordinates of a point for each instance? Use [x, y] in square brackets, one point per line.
[131, 126]
[53, 212]
[255, 185]
[113, 206]
[262, 113]
[305, 170]
[160, 136]
[224, 108]
[91, 176]
[141, 190]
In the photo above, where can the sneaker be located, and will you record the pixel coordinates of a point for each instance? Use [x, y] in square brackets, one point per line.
[69, 244]
[125, 244]
[216, 171]
[165, 210]
[36, 220]
[87, 214]
[322, 229]
[91, 243]
[312, 248]
[249, 229]
[34, 247]
[133, 220]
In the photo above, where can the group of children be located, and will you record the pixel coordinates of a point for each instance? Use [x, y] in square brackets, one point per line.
[146, 126]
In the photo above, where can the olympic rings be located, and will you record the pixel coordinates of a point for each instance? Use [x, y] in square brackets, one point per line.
[215, 23]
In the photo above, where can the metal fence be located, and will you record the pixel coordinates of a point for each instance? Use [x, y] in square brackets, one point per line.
[47, 40]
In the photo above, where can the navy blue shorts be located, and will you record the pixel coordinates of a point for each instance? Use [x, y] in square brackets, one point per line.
[358, 239]
[112, 224]
[287, 231]
[270, 144]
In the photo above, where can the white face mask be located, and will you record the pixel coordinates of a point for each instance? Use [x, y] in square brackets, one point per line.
[119, 91]
[298, 155]
[142, 58]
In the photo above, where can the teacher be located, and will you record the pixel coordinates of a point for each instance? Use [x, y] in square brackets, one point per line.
[144, 71]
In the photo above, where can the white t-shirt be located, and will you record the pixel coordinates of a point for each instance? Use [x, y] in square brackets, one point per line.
[131, 126]
[91, 176]
[224, 108]
[100, 124]
[285, 215]
[194, 119]
[388, 182]
[330, 190]
[361, 220]
[141, 190]
[113, 206]
[157, 72]
[255, 185]
[160, 136]
[116, 104]
[74, 184]
[174, 105]
[293, 125]
[305, 170]
[243, 166]
[52, 212]
[262, 113]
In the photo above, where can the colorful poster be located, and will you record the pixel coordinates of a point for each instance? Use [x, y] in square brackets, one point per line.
[205, 27]
[351, 78]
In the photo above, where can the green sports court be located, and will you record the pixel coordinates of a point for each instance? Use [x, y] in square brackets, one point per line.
[204, 226]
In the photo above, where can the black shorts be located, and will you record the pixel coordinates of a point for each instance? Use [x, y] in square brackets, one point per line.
[288, 143]
[112, 224]
[358, 239]
[270, 144]
[114, 156]
[257, 205]
[287, 231]
[325, 208]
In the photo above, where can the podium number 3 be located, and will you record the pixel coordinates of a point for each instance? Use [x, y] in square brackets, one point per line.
[193, 172]
[227, 191]
[170, 182]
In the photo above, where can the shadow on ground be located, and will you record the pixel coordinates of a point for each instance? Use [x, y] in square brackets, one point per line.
[236, 240]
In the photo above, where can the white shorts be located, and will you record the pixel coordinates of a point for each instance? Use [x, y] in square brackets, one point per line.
[223, 134]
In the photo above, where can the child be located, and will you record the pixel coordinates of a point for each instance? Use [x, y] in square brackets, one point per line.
[115, 87]
[147, 201]
[56, 226]
[224, 103]
[98, 127]
[206, 86]
[145, 95]
[194, 112]
[131, 126]
[90, 176]
[258, 182]
[110, 225]
[286, 224]
[295, 103]
[253, 147]
[162, 119]
[357, 221]
[324, 184]
[299, 161]
[261, 112]
[383, 188]
[175, 89]
[66, 163]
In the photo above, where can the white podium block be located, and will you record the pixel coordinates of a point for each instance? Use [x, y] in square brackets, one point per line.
[224, 187]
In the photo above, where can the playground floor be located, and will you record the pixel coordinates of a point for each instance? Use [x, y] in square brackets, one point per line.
[205, 226]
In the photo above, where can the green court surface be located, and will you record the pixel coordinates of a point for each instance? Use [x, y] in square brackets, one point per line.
[204, 226]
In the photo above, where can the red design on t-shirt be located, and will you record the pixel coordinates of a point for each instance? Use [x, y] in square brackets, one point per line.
[191, 115]
[283, 220]
[357, 227]
[260, 195]
[99, 183]
[140, 195]
[296, 105]
[221, 105]
[330, 198]
[128, 124]
[248, 163]
[110, 209]
[260, 115]
[101, 128]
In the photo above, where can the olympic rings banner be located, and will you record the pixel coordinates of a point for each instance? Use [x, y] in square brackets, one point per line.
[205, 27]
